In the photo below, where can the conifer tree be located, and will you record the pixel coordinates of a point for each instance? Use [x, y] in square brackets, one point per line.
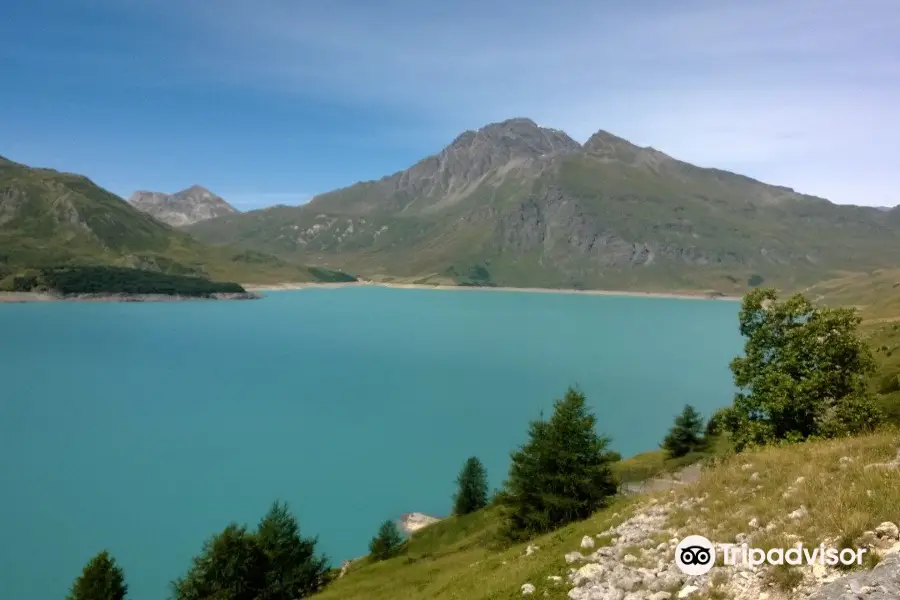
[686, 435]
[562, 474]
[472, 488]
[232, 566]
[293, 568]
[386, 542]
[101, 579]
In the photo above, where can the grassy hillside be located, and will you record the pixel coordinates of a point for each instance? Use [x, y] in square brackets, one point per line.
[517, 205]
[49, 219]
[457, 559]
[877, 296]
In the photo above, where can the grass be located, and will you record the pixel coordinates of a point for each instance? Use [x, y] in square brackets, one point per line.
[458, 558]
[656, 463]
[769, 484]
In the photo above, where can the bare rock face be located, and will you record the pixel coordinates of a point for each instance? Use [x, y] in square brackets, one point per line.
[183, 208]
[412, 522]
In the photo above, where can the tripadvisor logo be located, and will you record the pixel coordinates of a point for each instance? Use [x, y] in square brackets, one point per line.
[696, 555]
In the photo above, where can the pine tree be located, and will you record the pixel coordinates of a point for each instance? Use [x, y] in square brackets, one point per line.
[232, 566]
[294, 569]
[472, 488]
[101, 579]
[562, 474]
[386, 542]
[686, 435]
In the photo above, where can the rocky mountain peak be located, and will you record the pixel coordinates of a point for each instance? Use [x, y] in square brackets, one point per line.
[186, 207]
[611, 147]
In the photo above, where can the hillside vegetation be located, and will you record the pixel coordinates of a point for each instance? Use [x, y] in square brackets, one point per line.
[51, 219]
[514, 204]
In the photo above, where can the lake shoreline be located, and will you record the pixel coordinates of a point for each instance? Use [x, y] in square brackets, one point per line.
[682, 295]
[29, 297]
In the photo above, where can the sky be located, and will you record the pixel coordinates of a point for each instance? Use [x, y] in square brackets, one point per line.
[272, 101]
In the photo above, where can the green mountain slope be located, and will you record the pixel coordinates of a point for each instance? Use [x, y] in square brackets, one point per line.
[48, 218]
[517, 204]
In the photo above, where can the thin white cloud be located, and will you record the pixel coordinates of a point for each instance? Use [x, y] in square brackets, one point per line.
[799, 93]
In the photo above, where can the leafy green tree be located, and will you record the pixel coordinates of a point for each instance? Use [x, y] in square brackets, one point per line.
[293, 568]
[803, 373]
[387, 542]
[472, 488]
[101, 579]
[562, 474]
[686, 435]
[232, 566]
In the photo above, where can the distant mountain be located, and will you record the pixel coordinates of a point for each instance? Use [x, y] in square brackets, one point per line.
[50, 219]
[186, 207]
[517, 204]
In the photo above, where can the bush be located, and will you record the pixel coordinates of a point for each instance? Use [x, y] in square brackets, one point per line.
[386, 543]
[803, 373]
[562, 474]
[472, 488]
[686, 435]
[101, 579]
[889, 384]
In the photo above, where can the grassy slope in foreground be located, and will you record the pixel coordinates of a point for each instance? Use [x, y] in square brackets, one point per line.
[50, 219]
[455, 559]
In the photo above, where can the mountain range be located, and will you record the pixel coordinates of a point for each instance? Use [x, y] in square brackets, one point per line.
[182, 208]
[521, 205]
[49, 219]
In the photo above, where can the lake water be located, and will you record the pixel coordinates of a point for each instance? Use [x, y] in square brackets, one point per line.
[144, 428]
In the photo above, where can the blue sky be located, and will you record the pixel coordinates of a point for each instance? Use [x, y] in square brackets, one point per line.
[271, 101]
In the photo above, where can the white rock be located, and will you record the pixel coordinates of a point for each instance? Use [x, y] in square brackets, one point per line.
[554, 578]
[587, 573]
[573, 557]
[527, 589]
[754, 523]
[746, 467]
[587, 542]
[887, 530]
[629, 559]
[531, 549]
[799, 480]
[799, 513]
[660, 596]
[687, 591]
[754, 477]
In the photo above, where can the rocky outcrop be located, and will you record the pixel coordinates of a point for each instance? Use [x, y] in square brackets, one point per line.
[881, 583]
[412, 522]
[635, 567]
[183, 208]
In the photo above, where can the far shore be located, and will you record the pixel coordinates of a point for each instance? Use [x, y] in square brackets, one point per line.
[20, 297]
[685, 295]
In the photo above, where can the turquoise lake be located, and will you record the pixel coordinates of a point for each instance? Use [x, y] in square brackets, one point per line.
[143, 428]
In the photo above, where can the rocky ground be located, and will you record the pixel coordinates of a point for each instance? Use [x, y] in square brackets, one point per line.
[635, 561]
